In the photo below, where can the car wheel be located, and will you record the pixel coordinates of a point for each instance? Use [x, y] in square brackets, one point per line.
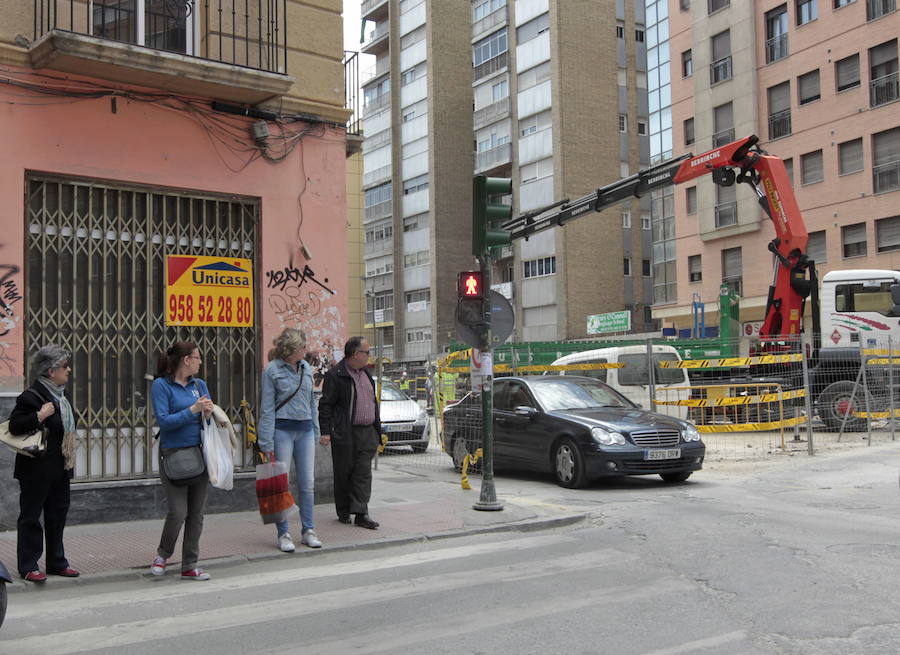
[568, 465]
[838, 401]
[419, 447]
[681, 476]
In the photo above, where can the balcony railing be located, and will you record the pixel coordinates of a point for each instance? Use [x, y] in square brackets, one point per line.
[248, 33]
[779, 124]
[380, 210]
[884, 90]
[490, 66]
[351, 92]
[489, 21]
[886, 177]
[723, 137]
[377, 103]
[878, 8]
[376, 34]
[777, 48]
[491, 113]
[494, 157]
[369, 5]
[726, 214]
[720, 70]
[378, 175]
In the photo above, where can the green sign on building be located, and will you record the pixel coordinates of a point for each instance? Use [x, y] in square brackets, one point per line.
[611, 322]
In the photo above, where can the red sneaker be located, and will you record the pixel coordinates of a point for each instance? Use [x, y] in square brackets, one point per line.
[35, 576]
[67, 572]
[194, 574]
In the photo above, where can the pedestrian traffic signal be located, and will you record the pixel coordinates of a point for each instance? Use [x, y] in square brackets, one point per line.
[486, 215]
[470, 284]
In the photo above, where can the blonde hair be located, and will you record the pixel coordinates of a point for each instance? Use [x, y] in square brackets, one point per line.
[288, 342]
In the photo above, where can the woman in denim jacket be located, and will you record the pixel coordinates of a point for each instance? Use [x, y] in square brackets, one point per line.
[289, 426]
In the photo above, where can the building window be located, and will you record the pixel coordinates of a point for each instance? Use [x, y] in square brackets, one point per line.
[723, 125]
[486, 8]
[695, 269]
[419, 183]
[626, 219]
[379, 232]
[626, 266]
[664, 264]
[811, 168]
[720, 68]
[646, 269]
[642, 128]
[850, 156]
[726, 206]
[166, 27]
[878, 8]
[685, 5]
[418, 335]
[732, 269]
[842, 3]
[815, 247]
[689, 131]
[489, 47]
[623, 123]
[846, 72]
[412, 74]
[887, 234]
[779, 110]
[383, 300]
[620, 31]
[417, 222]
[807, 10]
[808, 87]
[639, 36]
[532, 28]
[499, 91]
[716, 5]
[539, 267]
[413, 259]
[420, 300]
[687, 63]
[853, 240]
[789, 167]
[776, 34]
[645, 222]
[886, 160]
[884, 84]
[690, 199]
[379, 265]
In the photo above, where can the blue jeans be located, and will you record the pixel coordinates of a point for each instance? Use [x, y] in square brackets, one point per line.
[301, 447]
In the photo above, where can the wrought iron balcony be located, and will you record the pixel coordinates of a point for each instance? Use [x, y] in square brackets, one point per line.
[779, 124]
[723, 137]
[247, 33]
[886, 177]
[878, 8]
[777, 48]
[726, 214]
[351, 92]
[884, 90]
[720, 70]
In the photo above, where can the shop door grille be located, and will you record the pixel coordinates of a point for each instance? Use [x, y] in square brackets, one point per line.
[95, 285]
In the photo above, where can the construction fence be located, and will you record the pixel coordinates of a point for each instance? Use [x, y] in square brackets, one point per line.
[746, 403]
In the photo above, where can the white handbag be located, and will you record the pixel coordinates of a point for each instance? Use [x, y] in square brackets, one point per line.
[30, 445]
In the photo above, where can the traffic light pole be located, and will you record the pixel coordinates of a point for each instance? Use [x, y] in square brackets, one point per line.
[487, 502]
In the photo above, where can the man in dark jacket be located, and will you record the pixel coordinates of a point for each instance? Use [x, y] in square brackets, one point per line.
[348, 420]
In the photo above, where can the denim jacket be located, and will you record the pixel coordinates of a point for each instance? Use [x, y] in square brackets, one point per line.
[279, 381]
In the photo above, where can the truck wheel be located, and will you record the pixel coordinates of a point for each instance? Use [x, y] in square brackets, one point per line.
[838, 400]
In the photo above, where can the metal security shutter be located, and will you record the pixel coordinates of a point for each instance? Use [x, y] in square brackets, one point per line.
[847, 72]
[780, 97]
[887, 232]
[95, 285]
[816, 247]
[850, 156]
[731, 264]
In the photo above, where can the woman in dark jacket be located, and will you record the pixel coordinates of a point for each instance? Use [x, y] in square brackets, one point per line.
[44, 481]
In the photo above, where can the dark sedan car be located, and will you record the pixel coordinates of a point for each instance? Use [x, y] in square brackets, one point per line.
[576, 427]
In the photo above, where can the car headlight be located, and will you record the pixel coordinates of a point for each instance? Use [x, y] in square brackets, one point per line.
[607, 438]
[690, 433]
[422, 417]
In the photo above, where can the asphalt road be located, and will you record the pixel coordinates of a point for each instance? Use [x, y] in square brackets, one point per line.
[799, 556]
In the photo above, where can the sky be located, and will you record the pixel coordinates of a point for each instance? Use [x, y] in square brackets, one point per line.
[351, 24]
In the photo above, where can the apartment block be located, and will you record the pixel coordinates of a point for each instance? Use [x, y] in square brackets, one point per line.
[817, 81]
[550, 94]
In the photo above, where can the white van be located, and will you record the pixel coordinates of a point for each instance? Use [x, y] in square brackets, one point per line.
[632, 380]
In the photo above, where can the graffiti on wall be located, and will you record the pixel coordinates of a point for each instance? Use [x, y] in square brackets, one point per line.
[9, 318]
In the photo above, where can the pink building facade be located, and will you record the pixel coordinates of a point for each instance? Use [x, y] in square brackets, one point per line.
[818, 84]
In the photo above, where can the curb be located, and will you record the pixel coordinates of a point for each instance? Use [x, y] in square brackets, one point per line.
[140, 573]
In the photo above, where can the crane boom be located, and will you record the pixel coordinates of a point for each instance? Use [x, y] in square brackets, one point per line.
[741, 161]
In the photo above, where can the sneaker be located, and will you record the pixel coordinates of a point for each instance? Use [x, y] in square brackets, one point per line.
[194, 574]
[159, 566]
[310, 539]
[285, 543]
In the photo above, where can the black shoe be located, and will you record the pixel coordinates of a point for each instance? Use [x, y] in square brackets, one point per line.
[365, 521]
[344, 518]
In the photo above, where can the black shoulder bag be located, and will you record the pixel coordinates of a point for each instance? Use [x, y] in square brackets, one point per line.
[294, 393]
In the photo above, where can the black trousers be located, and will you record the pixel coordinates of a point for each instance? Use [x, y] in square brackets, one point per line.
[352, 463]
[50, 496]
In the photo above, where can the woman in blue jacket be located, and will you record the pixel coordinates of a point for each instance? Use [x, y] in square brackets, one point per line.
[179, 398]
[289, 426]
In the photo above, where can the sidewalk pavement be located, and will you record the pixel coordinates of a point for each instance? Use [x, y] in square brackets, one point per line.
[409, 506]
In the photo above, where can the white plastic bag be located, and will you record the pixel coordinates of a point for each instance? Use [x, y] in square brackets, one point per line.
[218, 455]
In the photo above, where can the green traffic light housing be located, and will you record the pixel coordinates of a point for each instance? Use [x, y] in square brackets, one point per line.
[485, 214]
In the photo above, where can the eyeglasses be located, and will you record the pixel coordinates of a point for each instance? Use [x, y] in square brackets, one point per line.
[194, 357]
[363, 351]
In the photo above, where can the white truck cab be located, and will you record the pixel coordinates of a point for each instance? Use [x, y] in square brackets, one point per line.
[857, 309]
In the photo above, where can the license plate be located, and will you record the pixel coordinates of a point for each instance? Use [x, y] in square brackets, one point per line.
[665, 453]
[397, 427]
